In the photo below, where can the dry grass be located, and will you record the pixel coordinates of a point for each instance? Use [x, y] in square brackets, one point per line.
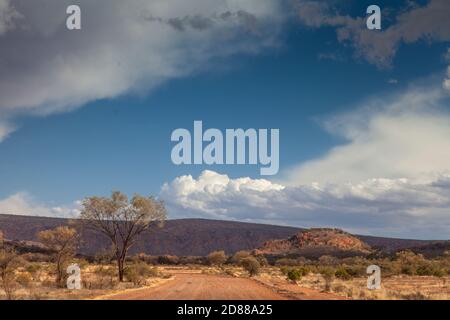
[38, 283]
[393, 288]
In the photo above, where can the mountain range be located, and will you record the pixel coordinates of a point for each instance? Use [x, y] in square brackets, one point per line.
[199, 237]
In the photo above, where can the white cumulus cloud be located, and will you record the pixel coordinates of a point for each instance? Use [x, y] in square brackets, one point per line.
[22, 203]
[402, 136]
[189, 193]
[391, 207]
[446, 83]
[390, 177]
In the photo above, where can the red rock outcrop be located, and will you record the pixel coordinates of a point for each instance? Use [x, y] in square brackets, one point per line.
[317, 237]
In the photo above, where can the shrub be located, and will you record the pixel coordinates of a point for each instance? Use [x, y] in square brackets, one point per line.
[35, 270]
[408, 270]
[167, 259]
[327, 272]
[410, 262]
[304, 271]
[429, 270]
[294, 275]
[286, 262]
[193, 260]
[9, 261]
[82, 263]
[328, 275]
[217, 258]
[262, 260]
[145, 258]
[251, 265]
[33, 267]
[24, 279]
[414, 296]
[239, 256]
[439, 273]
[139, 272]
[424, 270]
[62, 241]
[356, 270]
[36, 257]
[104, 256]
[284, 270]
[106, 278]
[48, 282]
[328, 260]
[342, 274]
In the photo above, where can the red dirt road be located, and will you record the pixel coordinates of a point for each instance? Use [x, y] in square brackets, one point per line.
[202, 287]
[190, 286]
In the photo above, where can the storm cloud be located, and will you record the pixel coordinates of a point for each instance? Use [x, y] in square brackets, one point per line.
[46, 69]
[429, 22]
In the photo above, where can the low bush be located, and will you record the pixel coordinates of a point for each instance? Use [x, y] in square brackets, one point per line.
[36, 257]
[168, 259]
[287, 262]
[138, 273]
[105, 278]
[342, 273]
[193, 260]
[239, 256]
[262, 260]
[251, 265]
[294, 275]
[328, 275]
[217, 258]
[24, 279]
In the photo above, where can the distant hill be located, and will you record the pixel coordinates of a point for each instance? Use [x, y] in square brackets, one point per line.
[316, 242]
[190, 236]
[178, 237]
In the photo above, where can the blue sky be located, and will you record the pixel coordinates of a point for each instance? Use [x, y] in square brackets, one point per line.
[88, 143]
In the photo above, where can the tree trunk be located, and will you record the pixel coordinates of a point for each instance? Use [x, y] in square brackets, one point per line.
[120, 266]
[59, 272]
[121, 257]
